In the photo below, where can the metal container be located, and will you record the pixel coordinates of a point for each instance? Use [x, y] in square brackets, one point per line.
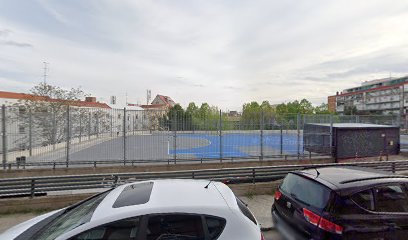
[351, 140]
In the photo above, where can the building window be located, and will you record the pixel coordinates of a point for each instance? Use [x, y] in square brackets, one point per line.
[119, 116]
[21, 129]
[22, 110]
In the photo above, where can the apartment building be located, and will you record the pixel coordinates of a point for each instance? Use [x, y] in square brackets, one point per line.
[88, 119]
[380, 97]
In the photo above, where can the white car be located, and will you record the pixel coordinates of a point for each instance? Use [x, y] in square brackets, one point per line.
[149, 210]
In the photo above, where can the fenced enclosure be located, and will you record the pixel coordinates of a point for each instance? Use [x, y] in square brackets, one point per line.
[73, 136]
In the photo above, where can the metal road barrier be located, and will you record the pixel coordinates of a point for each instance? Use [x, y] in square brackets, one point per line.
[33, 186]
[102, 163]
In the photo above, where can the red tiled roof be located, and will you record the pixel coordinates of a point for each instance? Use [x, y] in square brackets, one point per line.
[157, 106]
[13, 95]
[165, 99]
[24, 96]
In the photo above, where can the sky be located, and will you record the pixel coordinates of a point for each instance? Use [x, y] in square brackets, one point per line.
[224, 53]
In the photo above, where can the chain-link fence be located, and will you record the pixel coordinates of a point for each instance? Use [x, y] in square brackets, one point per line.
[73, 136]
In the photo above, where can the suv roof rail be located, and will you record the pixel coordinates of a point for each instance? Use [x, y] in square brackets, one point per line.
[371, 178]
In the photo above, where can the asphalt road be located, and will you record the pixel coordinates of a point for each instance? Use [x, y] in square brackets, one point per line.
[272, 235]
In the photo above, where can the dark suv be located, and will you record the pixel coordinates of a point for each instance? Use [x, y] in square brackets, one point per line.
[342, 203]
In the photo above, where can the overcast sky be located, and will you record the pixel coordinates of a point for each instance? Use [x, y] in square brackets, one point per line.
[221, 52]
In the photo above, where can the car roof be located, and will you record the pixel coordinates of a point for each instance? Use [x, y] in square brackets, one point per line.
[170, 195]
[345, 178]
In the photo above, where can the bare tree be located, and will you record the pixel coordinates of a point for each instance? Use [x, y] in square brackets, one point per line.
[48, 110]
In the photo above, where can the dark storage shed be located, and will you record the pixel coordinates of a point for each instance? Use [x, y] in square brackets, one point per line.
[352, 139]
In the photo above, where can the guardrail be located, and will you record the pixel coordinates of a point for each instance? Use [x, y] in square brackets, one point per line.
[129, 162]
[31, 186]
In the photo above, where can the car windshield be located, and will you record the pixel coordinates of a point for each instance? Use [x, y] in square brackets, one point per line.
[71, 219]
[306, 191]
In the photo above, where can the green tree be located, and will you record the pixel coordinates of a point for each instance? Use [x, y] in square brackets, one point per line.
[192, 109]
[322, 109]
[176, 118]
[305, 107]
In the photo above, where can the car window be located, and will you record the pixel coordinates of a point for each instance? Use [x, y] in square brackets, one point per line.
[175, 226]
[245, 210]
[391, 198]
[126, 229]
[73, 218]
[305, 190]
[134, 194]
[364, 199]
[215, 226]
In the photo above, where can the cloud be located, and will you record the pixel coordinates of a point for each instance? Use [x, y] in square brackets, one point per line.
[15, 44]
[4, 32]
[224, 53]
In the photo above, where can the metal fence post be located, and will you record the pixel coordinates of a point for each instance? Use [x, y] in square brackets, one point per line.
[89, 125]
[111, 122]
[124, 136]
[30, 132]
[54, 130]
[298, 135]
[68, 134]
[220, 128]
[331, 137]
[32, 188]
[261, 127]
[97, 125]
[399, 120]
[175, 137]
[4, 135]
[281, 139]
[80, 127]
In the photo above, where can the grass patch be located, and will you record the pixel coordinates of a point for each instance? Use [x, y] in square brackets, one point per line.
[250, 194]
[25, 211]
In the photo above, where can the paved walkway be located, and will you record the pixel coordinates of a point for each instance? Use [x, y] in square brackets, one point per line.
[260, 206]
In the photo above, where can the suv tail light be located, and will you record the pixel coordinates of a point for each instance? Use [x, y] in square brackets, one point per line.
[262, 236]
[311, 217]
[321, 222]
[278, 194]
[330, 227]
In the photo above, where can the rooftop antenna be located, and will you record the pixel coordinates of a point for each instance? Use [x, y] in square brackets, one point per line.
[208, 184]
[45, 72]
[317, 171]
[126, 99]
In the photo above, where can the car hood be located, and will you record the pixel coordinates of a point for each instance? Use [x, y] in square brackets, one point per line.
[22, 227]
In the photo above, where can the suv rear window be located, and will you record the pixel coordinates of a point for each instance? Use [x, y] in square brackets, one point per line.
[305, 190]
[364, 199]
[392, 198]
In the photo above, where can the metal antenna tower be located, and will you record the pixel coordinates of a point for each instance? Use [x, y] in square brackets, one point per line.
[45, 72]
[148, 96]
